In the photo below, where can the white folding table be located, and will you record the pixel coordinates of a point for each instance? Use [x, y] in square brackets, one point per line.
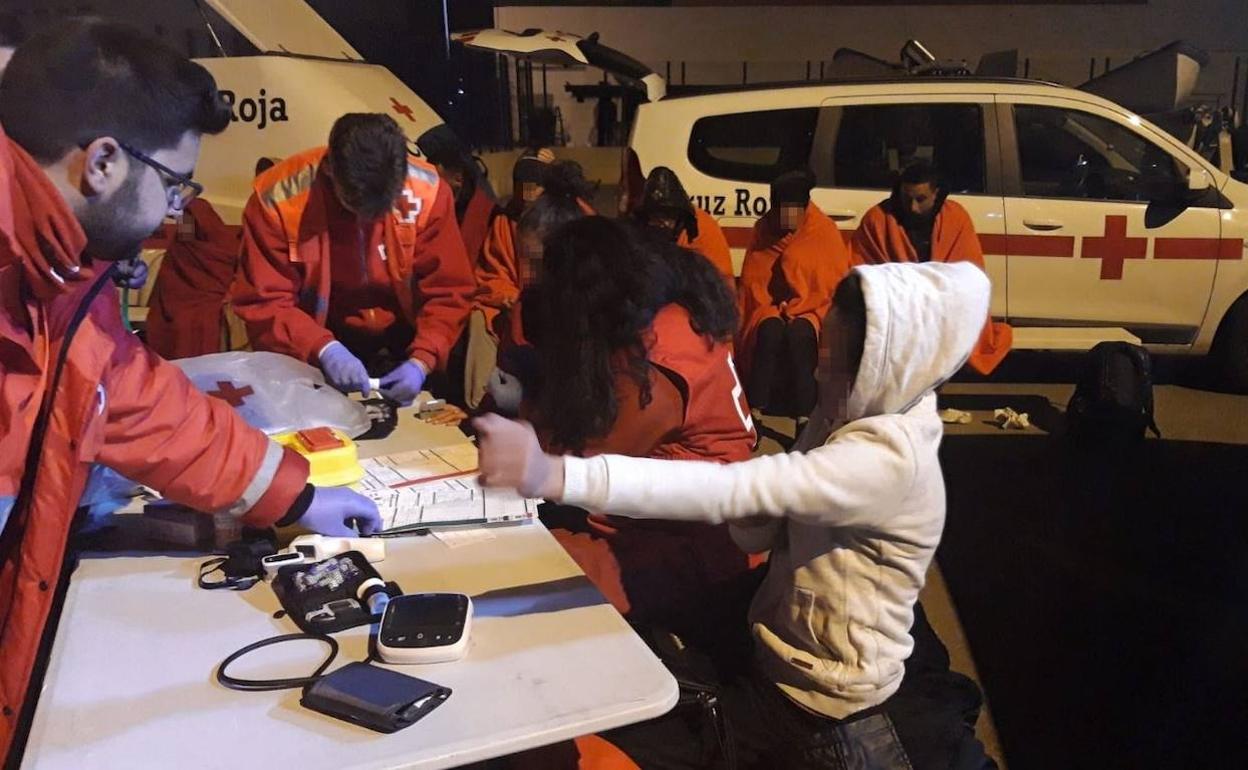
[131, 679]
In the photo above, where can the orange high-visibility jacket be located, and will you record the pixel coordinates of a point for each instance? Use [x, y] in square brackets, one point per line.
[118, 404]
[881, 238]
[282, 294]
[789, 275]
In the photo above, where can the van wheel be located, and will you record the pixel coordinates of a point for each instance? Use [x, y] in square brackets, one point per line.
[1230, 348]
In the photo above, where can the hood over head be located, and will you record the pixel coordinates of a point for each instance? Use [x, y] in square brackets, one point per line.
[922, 322]
[664, 194]
[792, 188]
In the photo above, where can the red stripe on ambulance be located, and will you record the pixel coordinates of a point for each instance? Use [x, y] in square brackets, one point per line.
[1199, 248]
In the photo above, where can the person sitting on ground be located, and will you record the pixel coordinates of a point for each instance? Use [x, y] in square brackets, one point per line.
[665, 206]
[852, 519]
[474, 206]
[498, 271]
[352, 260]
[186, 313]
[631, 336]
[793, 265]
[561, 202]
[918, 223]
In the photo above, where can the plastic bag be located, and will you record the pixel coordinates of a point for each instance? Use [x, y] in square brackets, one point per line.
[275, 393]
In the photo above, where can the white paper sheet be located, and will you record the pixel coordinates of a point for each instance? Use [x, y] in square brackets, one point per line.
[433, 487]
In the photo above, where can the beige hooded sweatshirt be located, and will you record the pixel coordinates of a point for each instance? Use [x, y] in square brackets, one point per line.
[859, 508]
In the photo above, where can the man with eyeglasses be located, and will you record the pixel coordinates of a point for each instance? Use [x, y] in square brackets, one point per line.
[103, 127]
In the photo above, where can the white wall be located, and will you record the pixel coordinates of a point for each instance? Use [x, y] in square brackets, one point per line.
[777, 41]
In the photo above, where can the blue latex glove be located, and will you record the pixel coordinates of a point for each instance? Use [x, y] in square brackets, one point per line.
[506, 391]
[333, 509]
[343, 370]
[404, 383]
[131, 273]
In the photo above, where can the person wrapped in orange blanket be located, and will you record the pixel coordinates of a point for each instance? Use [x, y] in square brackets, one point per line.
[632, 338]
[918, 223]
[186, 312]
[474, 205]
[498, 269]
[561, 202]
[794, 263]
[665, 207]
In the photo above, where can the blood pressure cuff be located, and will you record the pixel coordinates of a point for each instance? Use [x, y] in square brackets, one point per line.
[373, 697]
[324, 597]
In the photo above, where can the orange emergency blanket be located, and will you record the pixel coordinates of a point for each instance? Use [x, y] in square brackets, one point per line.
[881, 238]
[789, 275]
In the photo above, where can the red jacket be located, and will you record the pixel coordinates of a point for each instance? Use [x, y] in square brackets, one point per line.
[475, 224]
[662, 571]
[283, 283]
[185, 314]
[118, 404]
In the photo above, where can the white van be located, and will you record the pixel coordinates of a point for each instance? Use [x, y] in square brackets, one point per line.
[1095, 223]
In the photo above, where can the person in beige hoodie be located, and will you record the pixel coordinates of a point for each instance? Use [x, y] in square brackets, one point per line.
[851, 518]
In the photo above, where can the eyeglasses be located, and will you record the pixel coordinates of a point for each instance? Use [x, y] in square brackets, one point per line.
[179, 188]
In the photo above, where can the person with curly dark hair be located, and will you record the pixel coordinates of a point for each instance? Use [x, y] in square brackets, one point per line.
[632, 338]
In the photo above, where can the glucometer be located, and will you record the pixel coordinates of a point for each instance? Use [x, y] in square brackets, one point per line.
[273, 562]
[318, 547]
[425, 628]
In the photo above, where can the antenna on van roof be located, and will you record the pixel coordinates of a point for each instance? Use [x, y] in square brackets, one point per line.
[211, 32]
[914, 55]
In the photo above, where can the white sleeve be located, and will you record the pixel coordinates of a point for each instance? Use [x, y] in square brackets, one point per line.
[854, 480]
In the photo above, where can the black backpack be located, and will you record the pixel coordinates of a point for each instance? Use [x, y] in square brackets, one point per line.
[1114, 396]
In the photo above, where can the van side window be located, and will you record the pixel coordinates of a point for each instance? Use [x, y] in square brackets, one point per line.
[753, 146]
[874, 143]
[1071, 154]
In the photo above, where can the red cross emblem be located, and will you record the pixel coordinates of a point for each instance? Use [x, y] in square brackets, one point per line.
[1114, 248]
[407, 207]
[231, 395]
[402, 109]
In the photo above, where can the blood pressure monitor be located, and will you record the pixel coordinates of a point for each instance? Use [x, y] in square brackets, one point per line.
[425, 628]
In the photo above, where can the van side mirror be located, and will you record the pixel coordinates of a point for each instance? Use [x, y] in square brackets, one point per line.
[1198, 181]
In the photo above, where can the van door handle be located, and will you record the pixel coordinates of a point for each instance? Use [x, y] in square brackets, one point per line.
[842, 215]
[1043, 224]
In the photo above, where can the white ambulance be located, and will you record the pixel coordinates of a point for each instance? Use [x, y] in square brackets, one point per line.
[1096, 224]
[285, 99]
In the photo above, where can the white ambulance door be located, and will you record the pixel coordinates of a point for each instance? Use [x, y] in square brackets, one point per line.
[863, 143]
[1102, 228]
